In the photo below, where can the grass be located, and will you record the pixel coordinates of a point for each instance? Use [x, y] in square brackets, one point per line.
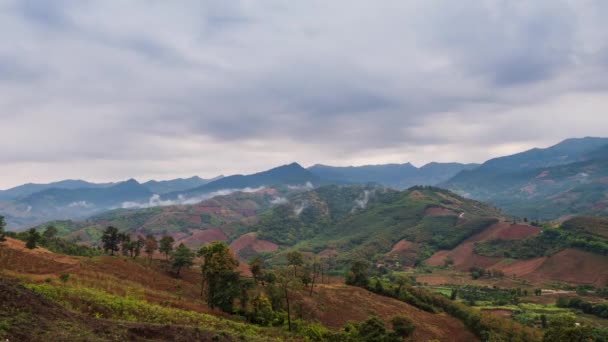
[99, 304]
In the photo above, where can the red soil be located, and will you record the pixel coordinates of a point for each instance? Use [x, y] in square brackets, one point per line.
[16, 258]
[328, 252]
[401, 246]
[202, 237]
[439, 211]
[521, 267]
[251, 241]
[500, 312]
[335, 305]
[506, 231]
[573, 266]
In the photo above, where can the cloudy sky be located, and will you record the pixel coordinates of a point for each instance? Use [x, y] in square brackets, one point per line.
[112, 89]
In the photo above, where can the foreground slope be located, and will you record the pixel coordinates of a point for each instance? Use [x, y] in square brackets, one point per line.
[116, 298]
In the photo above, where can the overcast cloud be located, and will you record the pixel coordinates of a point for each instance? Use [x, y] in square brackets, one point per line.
[111, 89]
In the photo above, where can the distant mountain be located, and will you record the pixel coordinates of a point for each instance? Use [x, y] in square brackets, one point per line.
[30, 188]
[179, 184]
[292, 174]
[399, 176]
[568, 178]
[56, 203]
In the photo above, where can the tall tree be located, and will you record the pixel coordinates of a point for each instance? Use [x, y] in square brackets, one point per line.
[182, 257]
[256, 265]
[32, 239]
[137, 246]
[126, 245]
[219, 275]
[2, 232]
[151, 246]
[166, 245]
[289, 284]
[110, 240]
[49, 234]
[295, 259]
[358, 274]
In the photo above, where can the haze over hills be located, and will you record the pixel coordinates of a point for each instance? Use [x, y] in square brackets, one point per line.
[397, 176]
[568, 178]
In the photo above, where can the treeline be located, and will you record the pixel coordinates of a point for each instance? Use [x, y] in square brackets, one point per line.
[486, 327]
[49, 240]
[549, 242]
[597, 309]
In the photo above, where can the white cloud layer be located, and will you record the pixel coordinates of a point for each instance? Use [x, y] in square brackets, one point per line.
[108, 90]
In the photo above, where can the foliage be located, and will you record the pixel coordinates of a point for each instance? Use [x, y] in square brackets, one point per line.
[220, 275]
[549, 242]
[403, 326]
[182, 257]
[2, 232]
[564, 328]
[32, 238]
[597, 309]
[151, 245]
[358, 275]
[110, 240]
[166, 245]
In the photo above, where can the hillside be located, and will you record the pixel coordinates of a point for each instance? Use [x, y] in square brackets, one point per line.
[116, 298]
[575, 253]
[397, 176]
[568, 178]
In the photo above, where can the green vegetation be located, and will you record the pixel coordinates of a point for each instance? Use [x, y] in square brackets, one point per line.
[220, 277]
[550, 241]
[99, 304]
[597, 309]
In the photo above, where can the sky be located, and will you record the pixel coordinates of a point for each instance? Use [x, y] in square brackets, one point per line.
[110, 89]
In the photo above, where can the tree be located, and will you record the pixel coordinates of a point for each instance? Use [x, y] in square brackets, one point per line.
[402, 326]
[125, 244]
[372, 330]
[358, 274]
[219, 275]
[151, 246]
[256, 265]
[287, 283]
[564, 328]
[182, 257]
[110, 240]
[295, 259]
[2, 232]
[32, 238]
[49, 234]
[137, 246]
[166, 245]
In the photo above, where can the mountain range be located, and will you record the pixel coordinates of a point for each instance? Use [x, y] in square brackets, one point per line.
[543, 184]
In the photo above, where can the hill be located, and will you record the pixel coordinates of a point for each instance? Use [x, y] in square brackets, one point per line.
[116, 298]
[575, 253]
[56, 203]
[398, 176]
[568, 178]
[176, 185]
[30, 188]
[287, 175]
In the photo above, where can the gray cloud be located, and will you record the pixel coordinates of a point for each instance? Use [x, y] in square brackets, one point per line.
[106, 90]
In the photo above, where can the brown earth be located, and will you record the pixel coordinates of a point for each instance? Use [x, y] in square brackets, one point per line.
[573, 266]
[201, 237]
[401, 246]
[29, 317]
[335, 305]
[464, 256]
[251, 241]
[439, 211]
